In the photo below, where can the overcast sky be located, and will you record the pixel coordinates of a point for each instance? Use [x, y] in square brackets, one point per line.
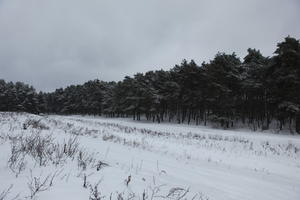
[55, 43]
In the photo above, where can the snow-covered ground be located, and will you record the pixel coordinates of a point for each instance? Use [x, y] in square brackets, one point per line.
[124, 159]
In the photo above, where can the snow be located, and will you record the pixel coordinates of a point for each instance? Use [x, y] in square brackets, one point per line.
[207, 163]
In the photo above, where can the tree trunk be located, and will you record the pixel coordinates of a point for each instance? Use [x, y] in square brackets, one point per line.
[158, 118]
[205, 118]
[189, 117]
[298, 122]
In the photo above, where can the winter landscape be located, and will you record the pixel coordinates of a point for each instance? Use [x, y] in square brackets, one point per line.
[77, 157]
[149, 100]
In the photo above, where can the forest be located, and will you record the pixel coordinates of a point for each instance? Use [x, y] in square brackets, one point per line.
[256, 92]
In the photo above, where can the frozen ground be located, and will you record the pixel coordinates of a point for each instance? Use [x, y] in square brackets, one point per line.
[137, 160]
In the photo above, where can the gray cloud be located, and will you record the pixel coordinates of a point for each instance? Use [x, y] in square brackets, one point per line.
[54, 43]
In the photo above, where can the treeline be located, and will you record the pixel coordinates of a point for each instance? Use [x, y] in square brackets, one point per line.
[225, 91]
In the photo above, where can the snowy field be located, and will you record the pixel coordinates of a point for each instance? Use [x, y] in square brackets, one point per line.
[75, 157]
